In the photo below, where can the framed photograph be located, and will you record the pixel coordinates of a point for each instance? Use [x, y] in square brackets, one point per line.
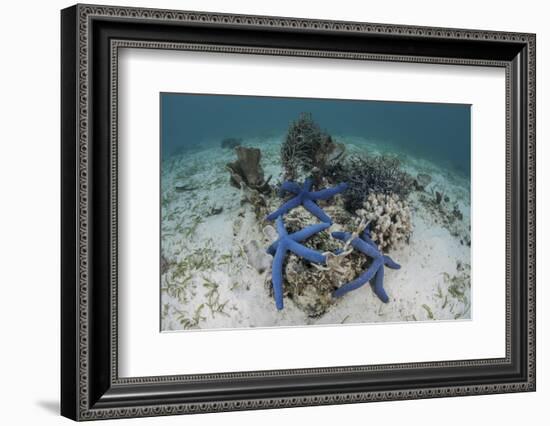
[263, 212]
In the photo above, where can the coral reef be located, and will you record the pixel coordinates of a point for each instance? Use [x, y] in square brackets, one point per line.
[247, 170]
[370, 174]
[304, 196]
[290, 242]
[309, 285]
[389, 218]
[374, 273]
[231, 143]
[307, 149]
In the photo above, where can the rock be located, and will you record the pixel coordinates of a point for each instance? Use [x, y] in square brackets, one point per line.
[438, 197]
[257, 256]
[422, 181]
[327, 152]
[214, 210]
[336, 153]
[313, 302]
[270, 233]
[309, 288]
[186, 188]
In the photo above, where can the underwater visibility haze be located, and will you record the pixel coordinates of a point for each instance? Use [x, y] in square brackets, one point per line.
[292, 211]
[439, 132]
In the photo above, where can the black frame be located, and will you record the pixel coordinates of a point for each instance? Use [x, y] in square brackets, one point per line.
[90, 386]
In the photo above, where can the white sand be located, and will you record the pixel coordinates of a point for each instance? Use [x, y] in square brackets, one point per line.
[218, 289]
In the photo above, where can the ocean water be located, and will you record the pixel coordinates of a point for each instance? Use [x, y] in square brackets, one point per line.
[437, 132]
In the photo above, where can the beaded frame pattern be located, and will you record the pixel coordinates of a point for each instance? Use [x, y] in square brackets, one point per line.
[86, 12]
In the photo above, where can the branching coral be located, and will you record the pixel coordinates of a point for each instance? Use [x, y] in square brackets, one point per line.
[298, 150]
[389, 218]
[307, 149]
[369, 174]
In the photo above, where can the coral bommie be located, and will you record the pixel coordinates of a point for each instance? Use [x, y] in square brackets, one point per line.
[389, 217]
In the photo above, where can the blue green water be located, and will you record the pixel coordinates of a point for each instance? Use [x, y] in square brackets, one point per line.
[439, 133]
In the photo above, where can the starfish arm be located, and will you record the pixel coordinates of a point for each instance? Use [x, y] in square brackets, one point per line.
[280, 224]
[363, 246]
[289, 186]
[360, 280]
[306, 253]
[341, 235]
[277, 276]
[325, 194]
[289, 205]
[305, 233]
[273, 247]
[307, 185]
[390, 263]
[367, 238]
[378, 286]
[317, 211]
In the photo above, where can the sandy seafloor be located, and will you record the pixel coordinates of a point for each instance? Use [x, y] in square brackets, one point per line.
[208, 284]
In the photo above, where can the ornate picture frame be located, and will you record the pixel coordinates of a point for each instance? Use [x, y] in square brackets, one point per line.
[91, 37]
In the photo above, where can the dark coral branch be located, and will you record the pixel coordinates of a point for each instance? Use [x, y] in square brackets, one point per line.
[307, 149]
[370, 174]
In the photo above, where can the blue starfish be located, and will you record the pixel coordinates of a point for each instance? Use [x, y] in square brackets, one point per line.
[306, 197]
[375, 271]
[287, 242]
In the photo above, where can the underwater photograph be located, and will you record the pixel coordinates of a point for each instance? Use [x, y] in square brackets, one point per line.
[281, 212]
